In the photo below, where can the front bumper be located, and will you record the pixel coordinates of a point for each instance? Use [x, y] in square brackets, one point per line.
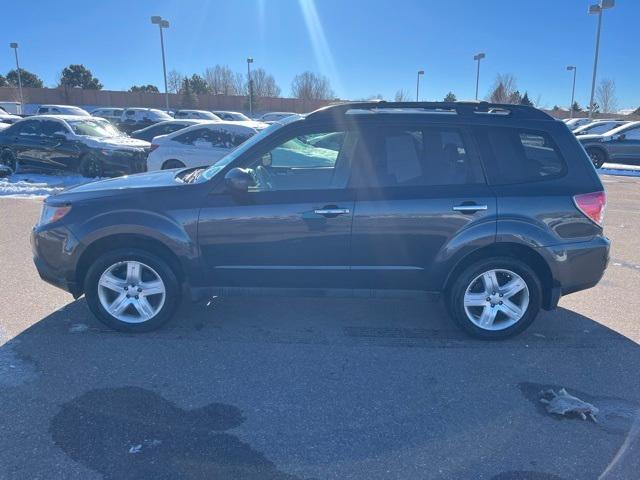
[54, 257]
[125, 163]
[576, 266]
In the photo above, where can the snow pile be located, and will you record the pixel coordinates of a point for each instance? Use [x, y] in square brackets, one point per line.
[28, 185]
[619, 169]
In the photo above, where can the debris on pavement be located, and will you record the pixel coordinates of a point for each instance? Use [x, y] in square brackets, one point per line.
[562, 403]
[135, 448]
[78, 328]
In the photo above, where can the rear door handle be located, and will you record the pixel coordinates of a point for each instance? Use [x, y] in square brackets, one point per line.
[331, 211]
[469, 208]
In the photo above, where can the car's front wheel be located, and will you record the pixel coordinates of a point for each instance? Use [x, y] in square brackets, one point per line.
[131, 290]
[597, 156]
[90, 166]
[495, 298]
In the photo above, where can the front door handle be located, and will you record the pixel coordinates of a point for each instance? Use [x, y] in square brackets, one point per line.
[469, 208]
[331, 211]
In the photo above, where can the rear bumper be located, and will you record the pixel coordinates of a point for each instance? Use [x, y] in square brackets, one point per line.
[575, 266]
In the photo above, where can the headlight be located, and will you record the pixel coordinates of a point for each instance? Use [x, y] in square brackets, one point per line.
[51, 213]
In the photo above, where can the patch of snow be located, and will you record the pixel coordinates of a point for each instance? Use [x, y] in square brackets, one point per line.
[620, 170]
[37, 185]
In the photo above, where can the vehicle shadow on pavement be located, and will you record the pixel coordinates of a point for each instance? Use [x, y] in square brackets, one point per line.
[283, 388]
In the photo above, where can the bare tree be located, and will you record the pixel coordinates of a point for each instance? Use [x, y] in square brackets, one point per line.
[311, 86]
[606, 95]
[264, 85]
[223, 81]
[402, 95]
[174, 81]
[504, 89]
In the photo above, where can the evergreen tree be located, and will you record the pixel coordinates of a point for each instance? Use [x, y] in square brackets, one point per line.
[79, 76]
[144, 88]
[525, 100]
[450, 97]
[198, 84]
[29, 80]
[189, 98]
[576, 107]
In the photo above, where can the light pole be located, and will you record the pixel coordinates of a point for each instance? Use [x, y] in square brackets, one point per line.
[477, 58]
[162, 23]
[573, 90]
[250, 86]
[420, 72]
[597, 10]
[14, 45]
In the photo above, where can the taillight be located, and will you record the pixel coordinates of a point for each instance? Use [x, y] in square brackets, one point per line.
[153, 147]
[592, 205]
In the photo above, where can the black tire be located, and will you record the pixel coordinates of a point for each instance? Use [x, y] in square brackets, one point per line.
[455, 297]
[169, 164]
[91, 166]
[597, 156]
[8, 159]
[165, 272]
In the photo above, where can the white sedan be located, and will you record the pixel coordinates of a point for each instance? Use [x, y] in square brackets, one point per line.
[199, 145]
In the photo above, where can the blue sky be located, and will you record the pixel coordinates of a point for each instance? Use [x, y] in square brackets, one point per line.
[365, 47]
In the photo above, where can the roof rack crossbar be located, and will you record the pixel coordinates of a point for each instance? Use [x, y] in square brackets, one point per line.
[461, 108]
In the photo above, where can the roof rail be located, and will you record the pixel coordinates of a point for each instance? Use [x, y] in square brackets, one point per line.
[459, 108]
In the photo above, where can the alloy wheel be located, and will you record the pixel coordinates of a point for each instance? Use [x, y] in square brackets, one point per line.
[496, 299]
[131, 291]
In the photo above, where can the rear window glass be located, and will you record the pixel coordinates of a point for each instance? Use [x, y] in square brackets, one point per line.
[521, 156]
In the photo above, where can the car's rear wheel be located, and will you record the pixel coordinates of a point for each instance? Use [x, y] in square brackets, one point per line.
[8, 159]
[131, 290]
[495, 298]
[169, 164]
[597, 156]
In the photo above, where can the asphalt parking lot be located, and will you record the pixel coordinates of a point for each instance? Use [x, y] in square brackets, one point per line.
[311, 388]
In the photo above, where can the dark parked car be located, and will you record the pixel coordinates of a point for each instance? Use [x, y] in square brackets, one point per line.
[163, 128]
[496, 207]
[620, 145]
[91, 146]
[133, 119]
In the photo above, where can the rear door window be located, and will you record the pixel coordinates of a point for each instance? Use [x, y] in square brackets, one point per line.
[520, 156]
[417, 156]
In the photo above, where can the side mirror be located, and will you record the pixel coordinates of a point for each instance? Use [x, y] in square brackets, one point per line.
[622, 136]
[238, 180]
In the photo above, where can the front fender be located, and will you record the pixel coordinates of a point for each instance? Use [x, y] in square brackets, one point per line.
[174, 230]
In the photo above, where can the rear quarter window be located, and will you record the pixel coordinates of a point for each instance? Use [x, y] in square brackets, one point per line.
[515, 155]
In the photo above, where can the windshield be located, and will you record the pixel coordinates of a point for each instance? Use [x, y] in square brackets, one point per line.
[94, 128]
[240, 117]
[210, 172]
[597, 129]
[159, 115]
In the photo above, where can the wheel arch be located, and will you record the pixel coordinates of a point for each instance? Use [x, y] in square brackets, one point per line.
[516, 251]
[599, 148]
[165, 162]
[126, 240]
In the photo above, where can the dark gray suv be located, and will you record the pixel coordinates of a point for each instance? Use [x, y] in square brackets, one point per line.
[496, 207]
[619, 145]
